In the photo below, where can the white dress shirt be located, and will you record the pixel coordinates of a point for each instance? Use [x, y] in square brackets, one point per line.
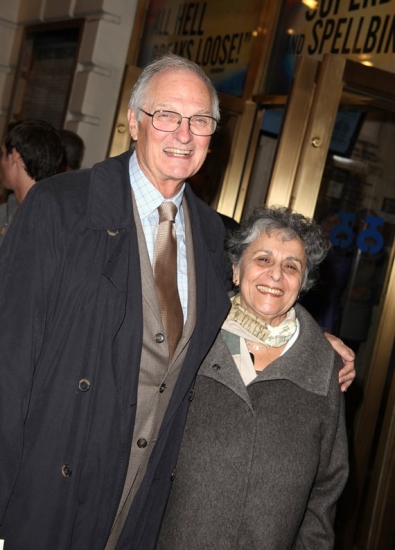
[148, 199]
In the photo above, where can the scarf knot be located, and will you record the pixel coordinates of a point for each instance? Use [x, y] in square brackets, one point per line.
[262, 331]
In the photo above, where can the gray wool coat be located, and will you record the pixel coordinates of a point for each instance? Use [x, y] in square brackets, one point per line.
[261, 467]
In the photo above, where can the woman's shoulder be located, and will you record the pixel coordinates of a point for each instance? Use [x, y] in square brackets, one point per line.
[311, 361]
[309, 324]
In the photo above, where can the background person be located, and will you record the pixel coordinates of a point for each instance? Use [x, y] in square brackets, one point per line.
[74, 148]
[264, 455]
[32, 151]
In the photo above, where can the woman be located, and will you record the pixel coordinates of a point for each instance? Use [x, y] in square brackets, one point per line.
[264, 454]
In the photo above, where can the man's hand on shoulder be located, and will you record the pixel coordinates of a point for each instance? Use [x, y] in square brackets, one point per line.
[347, 373]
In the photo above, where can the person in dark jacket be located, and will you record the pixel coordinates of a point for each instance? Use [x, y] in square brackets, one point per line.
[92, 405]
[92, 408]
[264, 455]
[74, 148]
[32, 151]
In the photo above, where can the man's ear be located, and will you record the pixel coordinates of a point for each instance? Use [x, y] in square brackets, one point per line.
[17, 160]
[133, 124]
[14, 156]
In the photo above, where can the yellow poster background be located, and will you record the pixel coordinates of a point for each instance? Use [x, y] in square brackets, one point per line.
[216, 34]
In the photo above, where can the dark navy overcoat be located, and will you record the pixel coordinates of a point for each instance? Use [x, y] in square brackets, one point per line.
[70, 345]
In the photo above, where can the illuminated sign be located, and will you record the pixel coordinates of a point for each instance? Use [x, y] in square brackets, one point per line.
[218, 36]
[360, 30]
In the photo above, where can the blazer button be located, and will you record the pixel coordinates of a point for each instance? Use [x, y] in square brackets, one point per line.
[191, 395]
[159, 338]
[162, 388]
[66, 470]
[142, 443]
[84, 385]
[173, 475]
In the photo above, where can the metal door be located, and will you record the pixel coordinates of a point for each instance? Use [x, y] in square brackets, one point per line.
[356, 193]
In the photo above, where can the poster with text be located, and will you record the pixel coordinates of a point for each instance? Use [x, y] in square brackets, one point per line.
[217, 35]
[361, 30]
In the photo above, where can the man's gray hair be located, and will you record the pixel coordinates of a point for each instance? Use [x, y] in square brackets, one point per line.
[167, 62]
[291, 225]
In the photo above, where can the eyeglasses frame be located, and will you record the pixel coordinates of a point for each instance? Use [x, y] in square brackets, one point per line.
[187, 117]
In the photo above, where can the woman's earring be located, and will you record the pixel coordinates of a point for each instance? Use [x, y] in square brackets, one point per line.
[236, 282]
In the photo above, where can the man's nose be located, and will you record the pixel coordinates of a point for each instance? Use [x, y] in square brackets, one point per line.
[183, 131]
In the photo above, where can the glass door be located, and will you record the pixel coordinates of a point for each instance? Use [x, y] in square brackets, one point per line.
[335, 162]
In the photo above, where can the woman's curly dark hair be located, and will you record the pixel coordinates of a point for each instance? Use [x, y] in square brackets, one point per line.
[291, 225]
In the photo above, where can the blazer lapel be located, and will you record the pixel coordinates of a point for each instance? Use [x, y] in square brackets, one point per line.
[146, 268]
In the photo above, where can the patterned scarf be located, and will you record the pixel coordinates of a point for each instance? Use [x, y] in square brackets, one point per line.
[260, 330]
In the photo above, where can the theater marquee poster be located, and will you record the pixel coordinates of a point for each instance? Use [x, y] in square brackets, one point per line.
[217, 35]
[361, 30]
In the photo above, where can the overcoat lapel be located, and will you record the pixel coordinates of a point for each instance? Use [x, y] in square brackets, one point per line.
[111, 209]
[225, 372]
[110, 204]
[111, 212]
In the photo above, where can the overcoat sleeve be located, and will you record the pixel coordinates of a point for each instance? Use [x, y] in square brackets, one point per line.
[316, 530]
[28, 265]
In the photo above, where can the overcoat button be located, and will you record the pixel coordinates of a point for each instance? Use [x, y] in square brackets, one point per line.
[66, 470]
[216, 366]
[112, 232]
[142, 443]
[162, 388]
[191, 395]
[84, 384]
[159, 338]
[173, 475]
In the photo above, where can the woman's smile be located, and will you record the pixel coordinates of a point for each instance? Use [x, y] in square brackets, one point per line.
[270, 275]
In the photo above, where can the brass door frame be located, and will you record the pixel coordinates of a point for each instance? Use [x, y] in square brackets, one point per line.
[317, 91]
[319, 128]
[374, 517]
[231, 188]
[307, 129]
[295, 122]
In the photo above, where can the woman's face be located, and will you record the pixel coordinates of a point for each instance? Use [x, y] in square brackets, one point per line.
[270, 276]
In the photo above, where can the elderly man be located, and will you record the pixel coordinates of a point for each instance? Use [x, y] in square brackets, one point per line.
[98, 354]
[32, 150]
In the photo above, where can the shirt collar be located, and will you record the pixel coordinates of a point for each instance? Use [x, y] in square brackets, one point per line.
[147, 196]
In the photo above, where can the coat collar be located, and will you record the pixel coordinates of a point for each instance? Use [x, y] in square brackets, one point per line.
[296, 365]
[309, 362]
[110, 202]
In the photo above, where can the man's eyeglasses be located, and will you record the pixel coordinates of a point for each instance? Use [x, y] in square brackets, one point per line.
[168, 121]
